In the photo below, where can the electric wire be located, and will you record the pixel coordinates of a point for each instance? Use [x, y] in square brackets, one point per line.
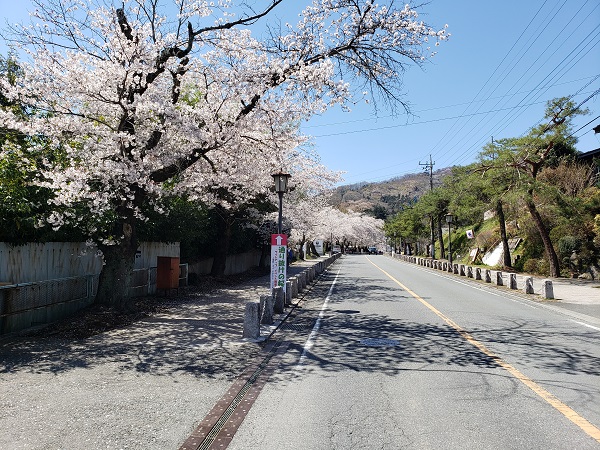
[508, 118]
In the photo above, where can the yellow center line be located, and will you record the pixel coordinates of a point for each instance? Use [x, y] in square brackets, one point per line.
[565, 410]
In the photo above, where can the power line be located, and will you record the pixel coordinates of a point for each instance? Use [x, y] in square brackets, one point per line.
[509, 118]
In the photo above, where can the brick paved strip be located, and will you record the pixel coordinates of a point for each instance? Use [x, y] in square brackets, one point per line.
[223, 436]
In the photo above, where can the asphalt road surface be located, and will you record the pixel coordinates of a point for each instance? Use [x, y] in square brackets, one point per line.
[389, 355]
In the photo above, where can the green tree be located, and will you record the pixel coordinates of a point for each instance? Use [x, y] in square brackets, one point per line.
[543, 147]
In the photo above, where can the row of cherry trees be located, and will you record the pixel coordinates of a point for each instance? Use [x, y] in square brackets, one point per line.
[195, 98]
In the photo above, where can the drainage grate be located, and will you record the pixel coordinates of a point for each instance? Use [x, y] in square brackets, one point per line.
[376, 342]
[299, 324]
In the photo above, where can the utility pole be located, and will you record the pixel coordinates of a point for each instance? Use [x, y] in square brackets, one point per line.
[429, 165]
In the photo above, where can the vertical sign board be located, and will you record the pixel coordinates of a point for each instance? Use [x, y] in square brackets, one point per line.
[278, 260]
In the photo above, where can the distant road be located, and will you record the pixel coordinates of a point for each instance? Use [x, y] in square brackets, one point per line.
[406, 357]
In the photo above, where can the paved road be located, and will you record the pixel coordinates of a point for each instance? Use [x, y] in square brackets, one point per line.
[404, 357]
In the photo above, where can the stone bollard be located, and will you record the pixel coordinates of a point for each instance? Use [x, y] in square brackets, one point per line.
[488, 276]
[461, 270]
[499, 279]
[267, 309]
[455, 269]
[512, 280]
[529, 285]
[478, 273]
[294, 281]
[319, 268]
[278, 300]
[445, 266]
[288, 293]
[547, 289]
[469, 272]
[252, 320]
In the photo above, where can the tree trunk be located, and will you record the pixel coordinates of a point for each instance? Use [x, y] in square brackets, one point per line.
[116, 277]
[432, 224]
[539, 223]
[301, 250]
[503, 237]
[223, 240]
[441, 238]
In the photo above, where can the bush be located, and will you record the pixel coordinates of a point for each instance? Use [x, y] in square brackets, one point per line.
[536, 266]
[567, 245]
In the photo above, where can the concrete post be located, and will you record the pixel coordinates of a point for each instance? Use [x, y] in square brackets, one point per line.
[278, 300]
[288, 293]
[478, 273]
[252, 320]
[488, 276]
[461, 270]
[512, 280]
[294, 281]
[267, 315]
[499, 279]
[319, 268]
[469, 272]
[301, 281]
[529, 285]
[547, 289]
[455, 269]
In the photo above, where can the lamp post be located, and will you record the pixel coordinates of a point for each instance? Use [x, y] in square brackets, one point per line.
[281, 187]
[449, 220]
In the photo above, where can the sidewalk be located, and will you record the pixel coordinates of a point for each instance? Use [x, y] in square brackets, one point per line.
[578, 296]
[143, 386]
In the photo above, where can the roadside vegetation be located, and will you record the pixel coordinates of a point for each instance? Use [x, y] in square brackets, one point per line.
[530, 190]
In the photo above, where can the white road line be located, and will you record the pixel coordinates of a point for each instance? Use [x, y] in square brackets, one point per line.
[586, 325]
[313, 334]
[507, 295]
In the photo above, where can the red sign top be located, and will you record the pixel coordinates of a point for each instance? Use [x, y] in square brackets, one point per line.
[279, 239]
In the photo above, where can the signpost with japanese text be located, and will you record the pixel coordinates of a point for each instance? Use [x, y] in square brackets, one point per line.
[278, 260]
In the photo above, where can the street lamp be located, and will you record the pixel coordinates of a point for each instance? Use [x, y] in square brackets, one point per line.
[449, 220]
[281, 187]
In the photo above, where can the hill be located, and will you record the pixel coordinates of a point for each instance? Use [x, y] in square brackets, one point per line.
[386, 198]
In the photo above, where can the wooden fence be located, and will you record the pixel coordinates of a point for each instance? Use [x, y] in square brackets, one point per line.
[42, 283]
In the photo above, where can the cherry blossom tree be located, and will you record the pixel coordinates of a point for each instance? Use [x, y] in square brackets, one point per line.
[147, 100]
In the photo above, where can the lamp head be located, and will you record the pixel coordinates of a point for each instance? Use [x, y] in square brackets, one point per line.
[281, 182]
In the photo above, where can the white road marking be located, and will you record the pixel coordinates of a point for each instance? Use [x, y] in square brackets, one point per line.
[313, 334]
[586, 325]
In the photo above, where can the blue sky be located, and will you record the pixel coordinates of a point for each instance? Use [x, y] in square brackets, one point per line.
[491, 79]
